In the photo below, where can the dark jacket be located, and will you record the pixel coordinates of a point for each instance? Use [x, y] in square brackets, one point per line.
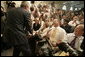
[36, 26]
[18, 21]
[67, 28]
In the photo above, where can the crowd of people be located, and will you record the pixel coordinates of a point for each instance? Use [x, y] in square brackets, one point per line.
[61, 29]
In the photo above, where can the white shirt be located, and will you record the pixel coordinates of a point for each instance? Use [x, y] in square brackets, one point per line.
[70, 38]
[32, 17]
[73, 24]
[59, 35]
[42, 25]
[62, 21]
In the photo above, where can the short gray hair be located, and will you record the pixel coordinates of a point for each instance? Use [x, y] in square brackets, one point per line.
[81, 26]
[24, 3]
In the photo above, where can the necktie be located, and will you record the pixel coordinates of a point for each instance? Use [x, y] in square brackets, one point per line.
[73, 42]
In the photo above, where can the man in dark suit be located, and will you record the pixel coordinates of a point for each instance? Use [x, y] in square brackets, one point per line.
[17, 24]
[65, 26]
[36, 25]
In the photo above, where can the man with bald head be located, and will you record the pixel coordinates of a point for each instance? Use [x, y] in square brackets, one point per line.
[57, 34]
[75, 39]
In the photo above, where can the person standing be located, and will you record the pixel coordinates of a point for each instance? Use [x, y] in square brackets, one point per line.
[18, 23]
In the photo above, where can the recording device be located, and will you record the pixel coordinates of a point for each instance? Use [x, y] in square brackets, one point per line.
[65, 47]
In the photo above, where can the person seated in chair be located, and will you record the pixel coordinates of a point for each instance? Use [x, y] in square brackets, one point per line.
[66, 26]
[75, 39]
[56, 32]
[36, 25]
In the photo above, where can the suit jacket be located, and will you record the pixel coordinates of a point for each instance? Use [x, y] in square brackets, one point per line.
[18, 21]
[36, 26]
[67, 28]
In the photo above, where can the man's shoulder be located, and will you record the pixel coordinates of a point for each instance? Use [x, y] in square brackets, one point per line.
[71, 21]
[61, 29]
[16, 9]
[22, 10]
[70, 34]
